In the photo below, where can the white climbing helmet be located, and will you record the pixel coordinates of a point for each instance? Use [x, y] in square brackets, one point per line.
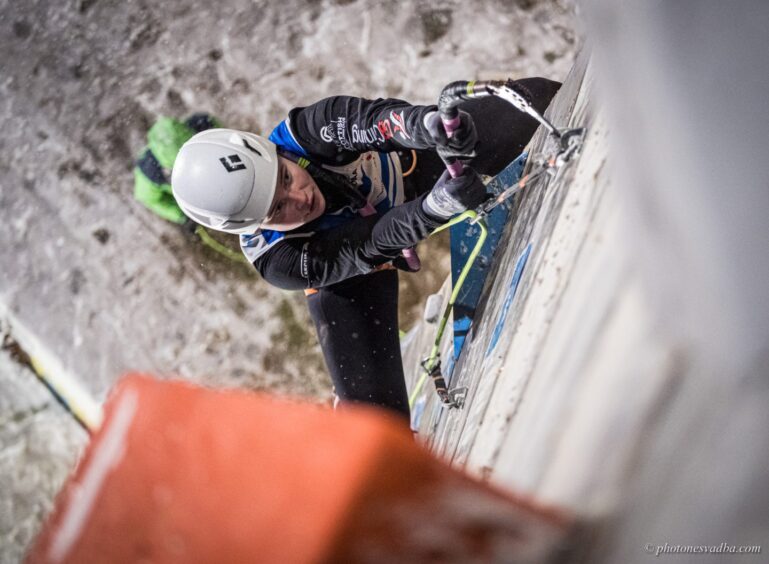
[225, 179]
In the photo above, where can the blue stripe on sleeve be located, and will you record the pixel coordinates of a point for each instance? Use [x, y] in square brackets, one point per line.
[386, 175]
[272, 236]
[284, 139]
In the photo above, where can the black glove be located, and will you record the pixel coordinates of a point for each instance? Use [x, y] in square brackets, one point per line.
[400, 263]
[451, 196]
[463, 140]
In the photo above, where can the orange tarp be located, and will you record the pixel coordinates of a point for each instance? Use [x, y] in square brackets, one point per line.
[179, 473]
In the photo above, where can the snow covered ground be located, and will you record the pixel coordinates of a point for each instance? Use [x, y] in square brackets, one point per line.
[104, 285]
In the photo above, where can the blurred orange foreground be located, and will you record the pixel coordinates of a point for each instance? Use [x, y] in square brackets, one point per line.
[185, 474]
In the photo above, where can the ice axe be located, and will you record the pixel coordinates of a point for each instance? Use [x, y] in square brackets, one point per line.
[457, 92]
[570, 140]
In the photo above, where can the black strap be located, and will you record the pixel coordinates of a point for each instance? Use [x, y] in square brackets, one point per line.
[199, 122]
[151, 168]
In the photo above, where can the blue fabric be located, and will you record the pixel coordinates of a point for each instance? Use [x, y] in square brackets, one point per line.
[383, 161]
[365, 187]
[282, 137]
[331, 220]
[271, 236]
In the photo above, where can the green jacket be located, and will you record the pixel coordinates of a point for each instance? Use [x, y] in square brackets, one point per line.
[152, 182]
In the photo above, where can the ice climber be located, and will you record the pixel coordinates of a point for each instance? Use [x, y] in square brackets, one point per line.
[329, 201]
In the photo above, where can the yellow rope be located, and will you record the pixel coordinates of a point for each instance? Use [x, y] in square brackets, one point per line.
[218, 247]
[471, 215]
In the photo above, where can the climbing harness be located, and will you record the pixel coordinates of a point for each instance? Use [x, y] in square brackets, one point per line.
[569, 144]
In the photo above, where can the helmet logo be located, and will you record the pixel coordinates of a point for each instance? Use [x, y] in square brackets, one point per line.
[232, 163]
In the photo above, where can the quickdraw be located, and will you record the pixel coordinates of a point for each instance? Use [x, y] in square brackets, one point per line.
[570, 144]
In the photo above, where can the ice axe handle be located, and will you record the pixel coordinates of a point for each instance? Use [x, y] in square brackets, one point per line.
[412, 259]
[451, 96]
[451, 124]
[447, 106]
[454, 166]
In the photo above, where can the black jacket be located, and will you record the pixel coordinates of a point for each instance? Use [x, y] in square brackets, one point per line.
[342, 131]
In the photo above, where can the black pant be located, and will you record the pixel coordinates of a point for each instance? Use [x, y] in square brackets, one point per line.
[357, 320]
[357, 325]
